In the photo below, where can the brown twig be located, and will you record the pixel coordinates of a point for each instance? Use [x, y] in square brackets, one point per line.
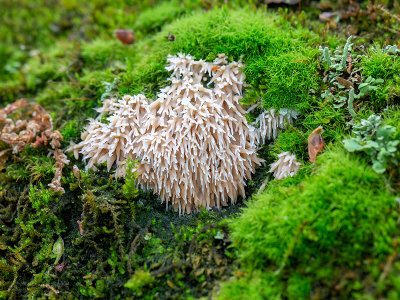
[326, 100]
[48, 286]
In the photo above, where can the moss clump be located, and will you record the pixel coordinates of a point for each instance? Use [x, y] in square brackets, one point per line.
[291, 140]
[138, 280]
[380, 64]
[278, 58]
[152, 19]
[305, 236]
[100, 53]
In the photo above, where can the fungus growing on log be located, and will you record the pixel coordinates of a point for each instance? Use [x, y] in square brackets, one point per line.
[194, 144]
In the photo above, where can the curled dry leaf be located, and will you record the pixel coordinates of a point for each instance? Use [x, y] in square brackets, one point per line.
[350, 61]
[315, 143]
[126, 36]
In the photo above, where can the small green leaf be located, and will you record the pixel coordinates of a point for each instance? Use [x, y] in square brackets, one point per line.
[219, 235]
[351, 145]
[58, 249]
[378, 167]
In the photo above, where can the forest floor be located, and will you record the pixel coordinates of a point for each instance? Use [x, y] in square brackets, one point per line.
[329, 232]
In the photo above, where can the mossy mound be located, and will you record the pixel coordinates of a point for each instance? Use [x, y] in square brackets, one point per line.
[379, 64]
[279, 59]
[327, 235]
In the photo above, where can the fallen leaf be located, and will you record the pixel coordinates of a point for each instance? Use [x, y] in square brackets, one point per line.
[315, 143]
[126, 36]
[344, 82]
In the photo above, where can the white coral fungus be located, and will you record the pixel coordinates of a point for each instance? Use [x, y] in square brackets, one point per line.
[194, 143]
[271, 121]
[285, 166]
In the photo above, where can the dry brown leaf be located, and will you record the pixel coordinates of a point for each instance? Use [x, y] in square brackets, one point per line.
[126, 36]
[315, 143]
[344, 82]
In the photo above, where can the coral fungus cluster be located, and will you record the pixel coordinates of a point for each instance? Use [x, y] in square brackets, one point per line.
[286, 165]
[32, 127]
[194, 143]
[271, 121]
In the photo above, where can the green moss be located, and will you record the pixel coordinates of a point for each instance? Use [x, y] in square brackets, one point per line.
[130, 187]
[278, 58]
[330, 118]
[291, 140]
[319, 201]
[261, 285]
[70, 130]
[327, 221]
[101, 53]
[378, 64]
[63, 55]
[139, 280]
[152, 19]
